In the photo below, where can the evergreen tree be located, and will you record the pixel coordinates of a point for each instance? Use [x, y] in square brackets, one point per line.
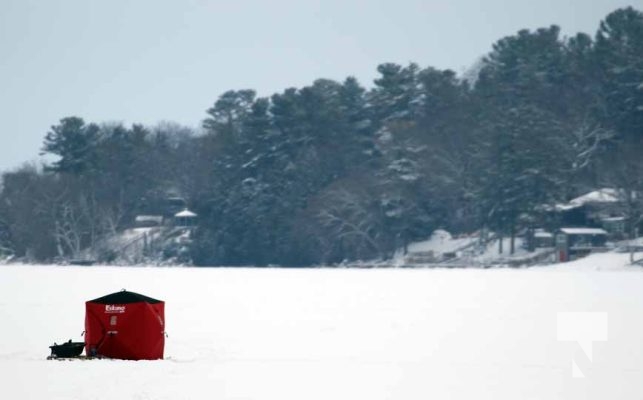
[619, 49]
[74, 142]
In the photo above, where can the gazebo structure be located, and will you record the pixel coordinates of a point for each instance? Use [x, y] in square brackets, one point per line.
[185, 218]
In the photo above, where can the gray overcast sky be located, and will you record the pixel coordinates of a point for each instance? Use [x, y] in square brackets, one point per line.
[152, 60]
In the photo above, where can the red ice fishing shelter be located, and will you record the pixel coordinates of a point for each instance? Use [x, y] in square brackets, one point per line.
[125, 325]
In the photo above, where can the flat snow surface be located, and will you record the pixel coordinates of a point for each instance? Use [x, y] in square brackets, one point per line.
[332, 334]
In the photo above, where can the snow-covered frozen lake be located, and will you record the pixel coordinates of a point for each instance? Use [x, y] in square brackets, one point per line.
[331, 334]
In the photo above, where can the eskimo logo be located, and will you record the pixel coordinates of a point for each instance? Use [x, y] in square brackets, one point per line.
[111, 309]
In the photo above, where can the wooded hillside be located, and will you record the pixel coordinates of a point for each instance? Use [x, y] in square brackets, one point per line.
[337, 171]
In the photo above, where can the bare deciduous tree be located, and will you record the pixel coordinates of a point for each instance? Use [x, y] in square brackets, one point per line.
[350, 218]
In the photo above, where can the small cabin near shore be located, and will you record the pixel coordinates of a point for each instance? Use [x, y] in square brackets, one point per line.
[602, 208]
[573, 243]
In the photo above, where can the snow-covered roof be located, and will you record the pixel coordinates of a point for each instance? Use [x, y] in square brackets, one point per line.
[565, 207]
[613, 219]
[605, 195]
[583, 231]
[185, 214]
[149, 218]
[543, 234]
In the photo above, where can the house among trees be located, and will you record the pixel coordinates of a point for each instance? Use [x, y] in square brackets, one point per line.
[603, 208]
[584, 224]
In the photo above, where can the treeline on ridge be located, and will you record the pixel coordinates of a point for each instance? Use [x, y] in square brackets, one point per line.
[335, 171]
